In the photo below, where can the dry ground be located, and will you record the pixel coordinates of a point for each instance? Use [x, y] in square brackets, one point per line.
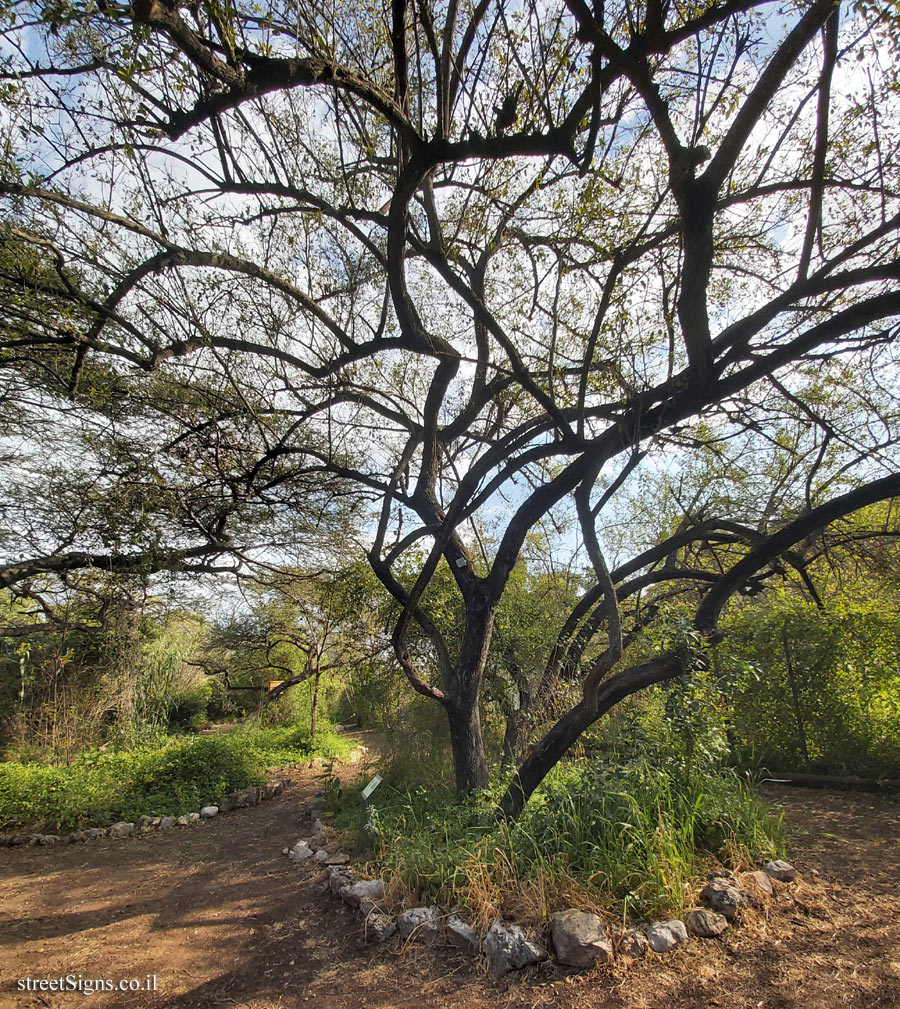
[223, 919]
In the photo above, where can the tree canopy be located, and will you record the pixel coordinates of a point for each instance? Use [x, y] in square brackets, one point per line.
[463, 270]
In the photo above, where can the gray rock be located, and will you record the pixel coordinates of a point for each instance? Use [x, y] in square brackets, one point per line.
[367, 907]
[379, 927]
[224, 804]
[208, 812]
[155, 821]
[634, 943]
[721, 896]
[461, 934]
[47, 839]
[319, 836]
[244, 797]
[121, 829]
[18, 839]
[338, 859]
[705, 923]
[273, 787]
[167, 823]
[783, 871]
[144, 822]
[507, 948]
[757, 884]
[321, 855]
[76, 836]
[419, 924]
[193, 817]
[366, 889]
[300, 852]
[95, 833]
[338, 878]
[664, 936]
[183, 821]
[579, 939]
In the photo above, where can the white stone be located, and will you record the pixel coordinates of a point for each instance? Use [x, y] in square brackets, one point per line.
[366, 889]
[300, 852]
[208, 812]
[338, 878]
[379, 927]
[664, 936]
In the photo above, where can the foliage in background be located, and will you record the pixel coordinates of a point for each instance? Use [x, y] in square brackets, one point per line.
[841, 713]
[180, 777]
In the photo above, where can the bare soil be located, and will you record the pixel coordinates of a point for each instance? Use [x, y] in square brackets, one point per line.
[222, 918]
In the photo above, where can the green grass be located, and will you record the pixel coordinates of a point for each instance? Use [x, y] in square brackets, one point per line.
[630, 839]
[178, 777]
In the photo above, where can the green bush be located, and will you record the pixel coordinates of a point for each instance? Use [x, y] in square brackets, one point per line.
[101, 788]
[188, 707]
[846, 674]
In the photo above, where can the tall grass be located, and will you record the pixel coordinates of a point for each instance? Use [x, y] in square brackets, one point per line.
[630, 839]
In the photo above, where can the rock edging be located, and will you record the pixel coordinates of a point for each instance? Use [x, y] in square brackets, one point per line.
[579, 938]
[146, 824]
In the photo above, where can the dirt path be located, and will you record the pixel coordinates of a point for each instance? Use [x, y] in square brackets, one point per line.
[223, 919]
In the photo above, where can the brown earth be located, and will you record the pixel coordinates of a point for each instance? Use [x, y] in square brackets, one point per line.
[222, 918]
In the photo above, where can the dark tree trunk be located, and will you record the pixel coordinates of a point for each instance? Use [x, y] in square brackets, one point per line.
[510, 739]
[314, 707]
[469, 764]
[512, 736]
[463, 712]
[548, 752]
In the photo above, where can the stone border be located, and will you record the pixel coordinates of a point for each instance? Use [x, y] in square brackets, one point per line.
[578, 938]
[146, 824]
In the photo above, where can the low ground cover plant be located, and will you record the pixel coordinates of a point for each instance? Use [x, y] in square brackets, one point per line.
[178, 777]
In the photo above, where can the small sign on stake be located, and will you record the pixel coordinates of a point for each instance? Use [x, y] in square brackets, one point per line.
[370, 788]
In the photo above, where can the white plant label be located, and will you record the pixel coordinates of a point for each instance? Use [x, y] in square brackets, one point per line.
[370, 788]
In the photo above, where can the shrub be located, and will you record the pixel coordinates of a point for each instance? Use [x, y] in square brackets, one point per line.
[100, 788]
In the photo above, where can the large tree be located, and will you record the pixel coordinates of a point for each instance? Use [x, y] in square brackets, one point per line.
[485, 263]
